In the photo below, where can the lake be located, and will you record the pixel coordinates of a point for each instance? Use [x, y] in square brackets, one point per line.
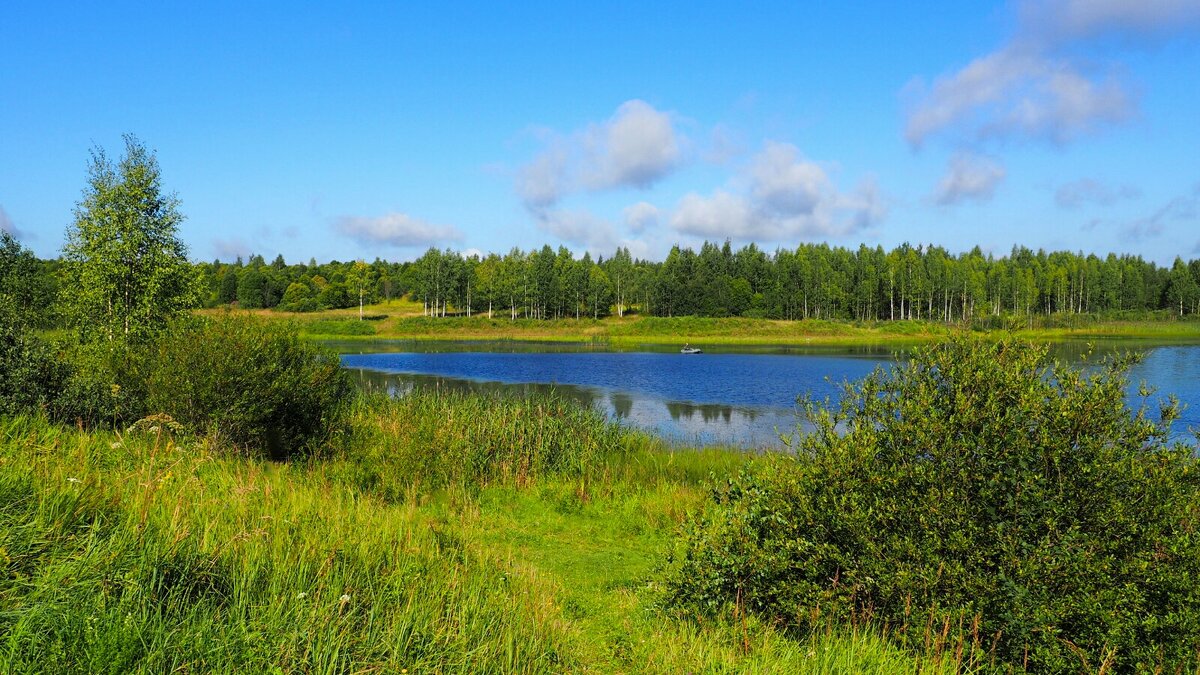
[734, 396]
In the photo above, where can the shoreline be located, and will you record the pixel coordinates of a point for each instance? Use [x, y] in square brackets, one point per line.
[397, 322]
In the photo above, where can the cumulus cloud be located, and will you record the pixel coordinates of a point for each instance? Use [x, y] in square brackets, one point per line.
[720, 215]
[1089, 191]
[640, 217]
[784, 183]
[634, 148]
[1036, 86]
[7, 225]
[969, 177]
[785, 196]
[395, 229]
[1181, 209]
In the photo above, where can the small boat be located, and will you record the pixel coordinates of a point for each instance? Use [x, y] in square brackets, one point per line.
[688, 349]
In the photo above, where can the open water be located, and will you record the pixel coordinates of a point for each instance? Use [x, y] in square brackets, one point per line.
[734, 396]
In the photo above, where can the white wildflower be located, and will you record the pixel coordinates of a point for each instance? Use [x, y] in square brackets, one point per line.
[301, 595]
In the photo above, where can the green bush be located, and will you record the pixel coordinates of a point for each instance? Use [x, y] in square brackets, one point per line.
[247, 382]
[30, 376]
[103, 384]
[976, 495]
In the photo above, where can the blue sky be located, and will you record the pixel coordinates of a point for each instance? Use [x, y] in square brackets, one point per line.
[380, 129]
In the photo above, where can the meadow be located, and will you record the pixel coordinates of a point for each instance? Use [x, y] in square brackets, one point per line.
[438, 533]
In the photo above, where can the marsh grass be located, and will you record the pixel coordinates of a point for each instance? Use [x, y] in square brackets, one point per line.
[447, 533]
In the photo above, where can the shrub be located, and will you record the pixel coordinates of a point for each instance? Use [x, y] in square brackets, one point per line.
[976, 495]
[247, 382]
[30, 376]
[103, 383]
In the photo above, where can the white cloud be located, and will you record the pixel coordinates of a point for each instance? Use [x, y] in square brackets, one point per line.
[635, 148]
[1089, 191]
[785, 197]
[473, 253]
[786, 184]
[720, 215]
[7, 225]
[1039, 85]
[969, 177]
[640, 217]
[396, 229]
[1017, 93]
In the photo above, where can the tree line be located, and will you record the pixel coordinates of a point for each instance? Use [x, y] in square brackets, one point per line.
[811, 281]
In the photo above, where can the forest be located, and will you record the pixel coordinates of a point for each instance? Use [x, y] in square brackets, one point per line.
[811, 281]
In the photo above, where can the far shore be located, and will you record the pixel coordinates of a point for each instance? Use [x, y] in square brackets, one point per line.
[403, 320]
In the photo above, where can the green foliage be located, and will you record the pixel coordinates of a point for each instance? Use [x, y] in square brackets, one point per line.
[128, 273]
[27, 282]
[103, 383]
[30, 375]
[975, 494]
[250, 383]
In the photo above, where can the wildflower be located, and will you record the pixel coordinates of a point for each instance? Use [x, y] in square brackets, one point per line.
[114, 445]
[345, 598]
[301, 595]
[72, 479]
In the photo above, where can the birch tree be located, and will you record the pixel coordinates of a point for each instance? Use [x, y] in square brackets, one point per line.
[127, 270]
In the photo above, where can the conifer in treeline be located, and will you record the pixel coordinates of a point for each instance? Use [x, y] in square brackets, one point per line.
[811, 281]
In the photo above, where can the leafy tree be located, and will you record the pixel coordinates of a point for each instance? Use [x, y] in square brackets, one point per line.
[252, 288]
[298, 298]
[360, 279]
[128, 271]
[229, 286]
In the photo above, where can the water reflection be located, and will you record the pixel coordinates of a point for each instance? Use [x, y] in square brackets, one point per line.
[680, 422]
[723, 398]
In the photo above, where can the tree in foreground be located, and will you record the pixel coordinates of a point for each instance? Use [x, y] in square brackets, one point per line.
[977, 497]
[128, 271]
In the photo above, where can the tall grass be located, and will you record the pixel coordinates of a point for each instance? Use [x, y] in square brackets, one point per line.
[446, 533]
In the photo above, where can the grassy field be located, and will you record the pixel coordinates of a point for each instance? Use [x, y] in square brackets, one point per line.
[440, 534]
[402, 320]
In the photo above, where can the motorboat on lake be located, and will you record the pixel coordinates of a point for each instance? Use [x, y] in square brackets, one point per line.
[688, 349]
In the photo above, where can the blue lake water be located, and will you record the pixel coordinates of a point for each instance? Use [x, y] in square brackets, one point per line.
[724, 397]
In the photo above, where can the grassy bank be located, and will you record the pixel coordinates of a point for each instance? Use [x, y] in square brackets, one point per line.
[402, 320]
[439, 534]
